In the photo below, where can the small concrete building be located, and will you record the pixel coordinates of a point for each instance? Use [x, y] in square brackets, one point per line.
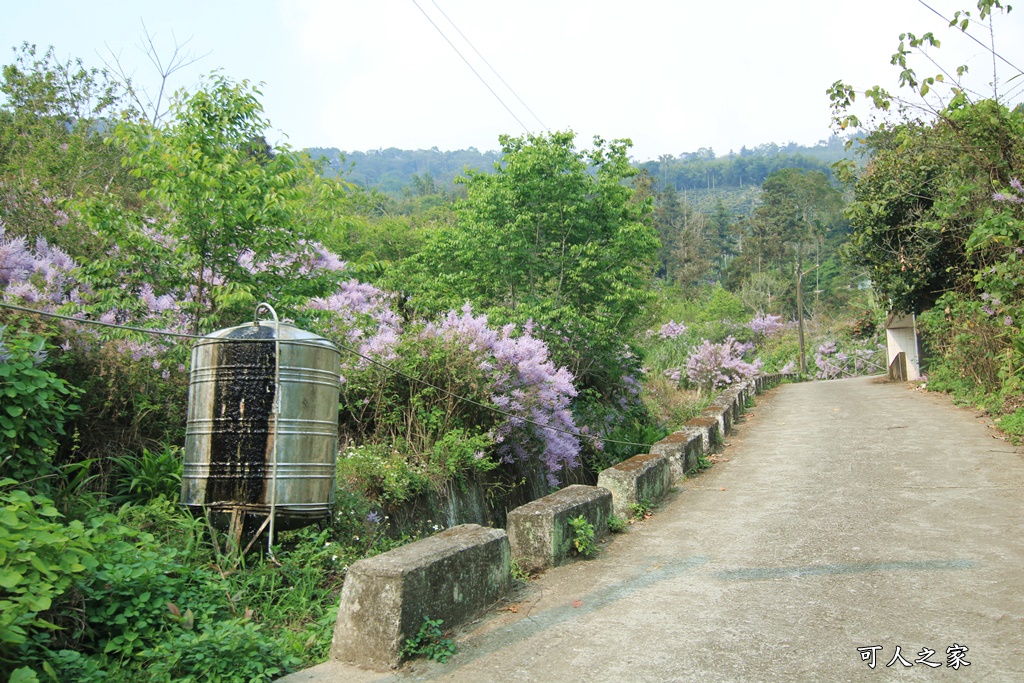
[901, 341]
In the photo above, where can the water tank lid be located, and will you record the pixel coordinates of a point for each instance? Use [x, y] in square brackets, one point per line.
[268, 330]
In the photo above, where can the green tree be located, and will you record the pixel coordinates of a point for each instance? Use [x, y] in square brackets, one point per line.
[686, 253]
[233, 205]
[52, 147]
[923, 205]
[554, 235]
[721, 245]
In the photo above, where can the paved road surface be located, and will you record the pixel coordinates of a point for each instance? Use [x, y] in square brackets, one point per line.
[844, 515]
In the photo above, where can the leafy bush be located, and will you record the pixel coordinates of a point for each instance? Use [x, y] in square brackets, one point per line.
[964, 351]
[40, 560]
[229, 651]
[35, 406]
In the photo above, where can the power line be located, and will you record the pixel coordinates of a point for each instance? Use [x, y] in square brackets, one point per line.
[987, 47]
[470, 66]
[489, 65]
[344, 347]
[89, 321]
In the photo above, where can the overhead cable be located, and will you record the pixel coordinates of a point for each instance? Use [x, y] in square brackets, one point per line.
[344, 347]
[489, 65]
[486, 85]
[987, 47]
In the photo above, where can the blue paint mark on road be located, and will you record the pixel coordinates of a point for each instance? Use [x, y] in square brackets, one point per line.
[760, 573]
[651, 571]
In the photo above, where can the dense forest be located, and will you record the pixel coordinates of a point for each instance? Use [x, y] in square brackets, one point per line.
[703, 175]
[532, 314]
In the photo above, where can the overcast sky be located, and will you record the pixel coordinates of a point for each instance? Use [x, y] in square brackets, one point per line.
[673, 76]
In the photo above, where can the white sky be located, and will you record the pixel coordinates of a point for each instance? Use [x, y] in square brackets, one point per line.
[673, 76]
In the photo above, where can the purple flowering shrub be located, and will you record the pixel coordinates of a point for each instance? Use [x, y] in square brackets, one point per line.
[766, 324]
[850, 359]
[714, 366]
[672, 330]
[125, 376]
[459, 354]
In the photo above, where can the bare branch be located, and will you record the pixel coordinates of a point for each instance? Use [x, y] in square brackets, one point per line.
[180, 58]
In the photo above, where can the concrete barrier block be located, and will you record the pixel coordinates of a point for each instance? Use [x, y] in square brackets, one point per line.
[672, 447]
[748, 393]
[453, 575]
[683, 449]
[722, 414]
[539, 532]
[731, 398]
[694, 449]
[708, 427]
[646, 477]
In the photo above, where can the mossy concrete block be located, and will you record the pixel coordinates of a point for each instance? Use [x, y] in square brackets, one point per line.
[683, 450]
[722, 414]
[708, 427]
[642, 478]
[454, 575]
[539, 532]
[694, 449]
[672, 447]
[728, 400]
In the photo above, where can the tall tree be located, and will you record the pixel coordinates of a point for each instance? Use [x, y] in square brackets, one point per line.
[231, 205]
[53, 128]
[553, 236]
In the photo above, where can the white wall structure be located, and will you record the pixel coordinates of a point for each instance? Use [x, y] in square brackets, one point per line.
[901, 337]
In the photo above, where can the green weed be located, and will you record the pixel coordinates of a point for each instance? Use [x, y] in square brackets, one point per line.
[430, 642]
[518, 573]
[641, 510]
[583, 536]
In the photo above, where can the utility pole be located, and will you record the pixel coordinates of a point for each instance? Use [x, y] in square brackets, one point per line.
[800, 314]
[800, 310]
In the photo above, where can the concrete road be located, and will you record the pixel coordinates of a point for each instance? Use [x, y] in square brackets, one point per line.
[844, 519]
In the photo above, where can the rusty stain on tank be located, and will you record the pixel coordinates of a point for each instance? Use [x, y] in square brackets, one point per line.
[243, 399]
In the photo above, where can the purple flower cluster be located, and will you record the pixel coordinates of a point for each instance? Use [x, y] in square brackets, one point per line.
[43, 277]
[833, 363]
[713, 366]
[990, 311]
[527, 385]
[671, 330]
[766, 325]
[37, 275]
[828, 367]
[310, 258]
[1018, 198]
[363, 317]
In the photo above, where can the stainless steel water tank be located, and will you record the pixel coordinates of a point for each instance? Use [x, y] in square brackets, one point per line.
[231, 431]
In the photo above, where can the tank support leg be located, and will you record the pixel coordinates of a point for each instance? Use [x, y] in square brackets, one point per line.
[257, 534]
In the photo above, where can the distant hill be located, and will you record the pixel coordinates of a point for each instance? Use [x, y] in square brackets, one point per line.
[702, 176]
[391, 170]
[702, 170]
